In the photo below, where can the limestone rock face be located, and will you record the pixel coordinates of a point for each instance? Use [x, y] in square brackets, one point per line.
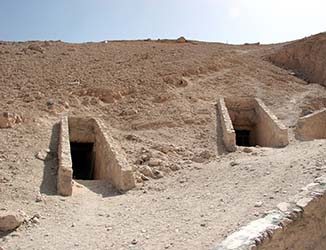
[10, 220]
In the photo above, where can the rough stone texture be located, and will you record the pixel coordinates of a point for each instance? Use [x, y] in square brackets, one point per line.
[307, 57]
[270, 131]
[81, 130]
[298, 225]
[312, 126]
[64, 179]
[226, 125]
[110, 163]
[8, 120]
[10, 221]
[252, 114]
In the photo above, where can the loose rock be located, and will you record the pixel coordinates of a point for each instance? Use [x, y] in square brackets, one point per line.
[147, 171]
[153, 162]
[9, 120]
[10, 220]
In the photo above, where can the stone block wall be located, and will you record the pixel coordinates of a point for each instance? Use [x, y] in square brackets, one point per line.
[64, 177]
[251, 114]
[110, 162]
[270, 131]
[296, 225]
[312, 126]
[226, 125]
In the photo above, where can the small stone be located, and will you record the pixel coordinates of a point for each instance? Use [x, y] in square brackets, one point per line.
[144, 178]
[157, 174]
[154, 162]
[39, 198]
[37, 215]
[174, 167]
[147, 171]
[182, 180]
[247, 150]
[50, 104]
[132, 137]
[41, 155]
[259, 204]
[233, 163]
[203, 224]
[35, 220]
[134, 242]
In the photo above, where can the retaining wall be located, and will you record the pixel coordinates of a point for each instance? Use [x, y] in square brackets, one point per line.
[226, 125]
[64, 177]
[297, 225]
[312, 126]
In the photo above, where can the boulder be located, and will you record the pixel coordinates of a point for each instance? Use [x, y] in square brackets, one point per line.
[10, 220]
[181, 39]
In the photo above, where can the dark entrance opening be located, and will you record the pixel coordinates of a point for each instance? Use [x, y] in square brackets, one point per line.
[242, 138]
[82, 160]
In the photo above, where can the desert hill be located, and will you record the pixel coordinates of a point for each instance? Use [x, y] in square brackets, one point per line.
[157, 99]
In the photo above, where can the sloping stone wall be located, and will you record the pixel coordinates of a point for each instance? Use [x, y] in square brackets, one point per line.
[226, 125]
[297, 225]
[312, 126]
[64, 177]
[110, 163]
[250, 112]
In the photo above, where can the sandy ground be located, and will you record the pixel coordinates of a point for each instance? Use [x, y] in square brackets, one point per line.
[162, 93]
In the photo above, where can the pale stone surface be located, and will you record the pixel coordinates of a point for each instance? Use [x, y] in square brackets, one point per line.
[64, 178]
[227, 127]
[283, 206]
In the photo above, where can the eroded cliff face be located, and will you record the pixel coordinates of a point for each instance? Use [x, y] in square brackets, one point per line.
[306, 57]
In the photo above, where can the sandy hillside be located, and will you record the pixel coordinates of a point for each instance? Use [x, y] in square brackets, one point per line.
[157, 98]
[307, 57]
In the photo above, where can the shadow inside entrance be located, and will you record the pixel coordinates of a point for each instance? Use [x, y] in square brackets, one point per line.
[102, 187]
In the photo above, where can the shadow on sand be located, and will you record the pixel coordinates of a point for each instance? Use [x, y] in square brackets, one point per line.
[48, 185]
[102, 187]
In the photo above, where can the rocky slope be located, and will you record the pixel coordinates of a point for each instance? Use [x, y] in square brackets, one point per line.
[158, 99]
[306, 57]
